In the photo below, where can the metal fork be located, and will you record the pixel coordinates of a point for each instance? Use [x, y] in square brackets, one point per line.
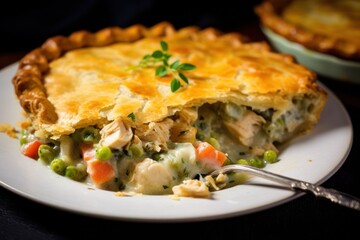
[333, 195]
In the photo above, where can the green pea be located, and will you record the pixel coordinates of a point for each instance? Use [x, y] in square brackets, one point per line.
[256, 162]
[81, 167]
[214, 143]
[242, 161]
[71, 172]
[270, 156]
[24, 137]
[90, 135]
[103, 153]
[58, 166]
[46, 153]
[55, 145]
[23, 140]
[77, 173]
[135, 150]
[82, 174]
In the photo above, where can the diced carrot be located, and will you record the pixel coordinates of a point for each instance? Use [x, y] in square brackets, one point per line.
[87, 152]
[100, 172]
[207, 154]
[31, 149]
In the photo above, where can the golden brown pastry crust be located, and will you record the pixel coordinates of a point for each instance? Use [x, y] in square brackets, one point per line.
[272, 14]
[81, 80]
[28, 80]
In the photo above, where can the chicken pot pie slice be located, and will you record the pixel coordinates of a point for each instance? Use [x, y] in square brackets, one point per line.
[326, 26]
[102, 107]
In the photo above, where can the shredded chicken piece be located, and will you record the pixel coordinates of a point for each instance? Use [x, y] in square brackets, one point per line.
[136, 140]
[155, 135]
[293, 123]
[218, 183]
[246, 127]
[182, 132]
[192, 188]
[116, 134]
[211, 181]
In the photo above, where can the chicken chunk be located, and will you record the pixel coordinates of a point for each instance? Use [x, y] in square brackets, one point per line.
[116, 134]
[155, 135]
[151, 177]
[246, 127]
[191, 188]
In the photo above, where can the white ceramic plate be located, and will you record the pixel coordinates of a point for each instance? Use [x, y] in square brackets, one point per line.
[324, 64]
[313, 158]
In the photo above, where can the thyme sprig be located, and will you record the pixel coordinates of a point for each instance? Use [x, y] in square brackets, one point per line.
[175, 68]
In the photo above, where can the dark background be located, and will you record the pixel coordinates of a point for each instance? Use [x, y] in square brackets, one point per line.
[26, 25]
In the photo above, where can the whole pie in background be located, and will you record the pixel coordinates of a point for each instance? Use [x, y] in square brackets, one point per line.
[326, 26]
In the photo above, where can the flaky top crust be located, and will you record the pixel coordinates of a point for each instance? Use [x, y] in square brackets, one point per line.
[84, 79]
[326, 26]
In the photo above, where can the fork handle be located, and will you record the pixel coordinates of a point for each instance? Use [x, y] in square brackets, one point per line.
[328, 193]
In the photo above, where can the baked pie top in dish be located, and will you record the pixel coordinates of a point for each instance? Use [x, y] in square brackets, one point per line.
[153, 110]
[326, 26]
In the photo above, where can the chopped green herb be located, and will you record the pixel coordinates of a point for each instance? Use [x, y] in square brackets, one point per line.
[131, 116]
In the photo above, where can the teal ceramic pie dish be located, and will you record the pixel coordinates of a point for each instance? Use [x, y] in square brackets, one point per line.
[323, 64]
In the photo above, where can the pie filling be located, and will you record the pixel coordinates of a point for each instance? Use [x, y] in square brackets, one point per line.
[173, 156]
